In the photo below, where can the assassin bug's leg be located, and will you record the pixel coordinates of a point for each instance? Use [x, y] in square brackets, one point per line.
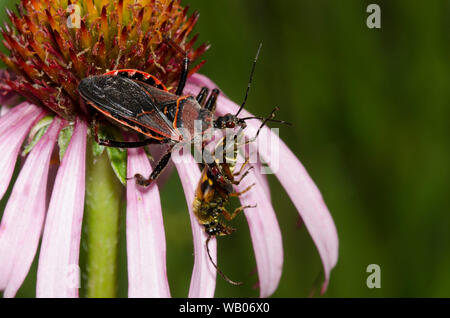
[185, 69]
[127, 144]
[121, 144]
[211, 102]
[201, 97]
[183, 76]
[162, 163]
[231, 216]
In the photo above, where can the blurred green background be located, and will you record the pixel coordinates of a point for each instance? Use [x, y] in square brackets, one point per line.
[370, 109]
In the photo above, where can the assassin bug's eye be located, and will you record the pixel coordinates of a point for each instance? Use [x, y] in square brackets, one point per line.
[231, 124]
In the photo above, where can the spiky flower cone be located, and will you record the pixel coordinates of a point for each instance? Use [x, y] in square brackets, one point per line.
[54, 44]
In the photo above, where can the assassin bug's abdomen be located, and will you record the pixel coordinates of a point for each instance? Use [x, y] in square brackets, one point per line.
[140, 76]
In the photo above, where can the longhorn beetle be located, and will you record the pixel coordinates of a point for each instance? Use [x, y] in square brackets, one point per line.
[139, 101]
[211, 197]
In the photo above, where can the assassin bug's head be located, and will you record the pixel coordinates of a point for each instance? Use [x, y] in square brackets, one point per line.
[229, 121]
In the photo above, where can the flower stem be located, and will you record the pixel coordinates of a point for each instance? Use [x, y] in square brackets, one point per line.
[103, 196]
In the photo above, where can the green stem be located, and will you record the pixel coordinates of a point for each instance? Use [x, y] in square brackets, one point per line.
[103, 194]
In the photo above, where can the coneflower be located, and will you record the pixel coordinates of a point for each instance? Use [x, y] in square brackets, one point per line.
[52, 46]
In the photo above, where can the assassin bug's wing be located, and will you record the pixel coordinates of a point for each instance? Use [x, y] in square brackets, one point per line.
[125, 99]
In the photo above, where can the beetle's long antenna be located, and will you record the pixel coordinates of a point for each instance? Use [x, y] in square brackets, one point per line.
[218, 270]
[250, 80]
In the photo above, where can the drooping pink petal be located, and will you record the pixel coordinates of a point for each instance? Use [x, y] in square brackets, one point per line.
[146, 243]
[58, 270]
[14, 127]
[24, 214]
[262, 178]
[264, 231]
[293, 176]
[203, 279]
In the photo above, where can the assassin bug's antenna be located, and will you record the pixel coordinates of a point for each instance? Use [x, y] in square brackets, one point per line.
[269, 119]
[250, 80]
[218, 270]
[265, 120]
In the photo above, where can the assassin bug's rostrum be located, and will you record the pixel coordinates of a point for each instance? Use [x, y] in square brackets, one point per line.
[139, 101]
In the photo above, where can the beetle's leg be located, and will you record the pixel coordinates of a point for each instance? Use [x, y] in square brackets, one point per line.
[162, 163]
[247, 160]
[201, 97]
[237, 194]
[242, 177]
[229, 216]
[211, 102]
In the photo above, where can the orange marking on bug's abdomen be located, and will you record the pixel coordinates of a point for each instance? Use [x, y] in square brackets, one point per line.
[178, 108]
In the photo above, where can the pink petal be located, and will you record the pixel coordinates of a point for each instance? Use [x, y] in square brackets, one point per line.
[203, 280]
[14, 127]
[58, 271]
[22, 221]
[262, 178]
[146, 244]
[298, 184]
[264, 231]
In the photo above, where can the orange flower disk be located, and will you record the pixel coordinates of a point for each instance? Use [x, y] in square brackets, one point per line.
[54, 44]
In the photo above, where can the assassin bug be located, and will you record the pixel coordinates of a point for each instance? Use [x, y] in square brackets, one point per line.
[139, 101]
[211, 197]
